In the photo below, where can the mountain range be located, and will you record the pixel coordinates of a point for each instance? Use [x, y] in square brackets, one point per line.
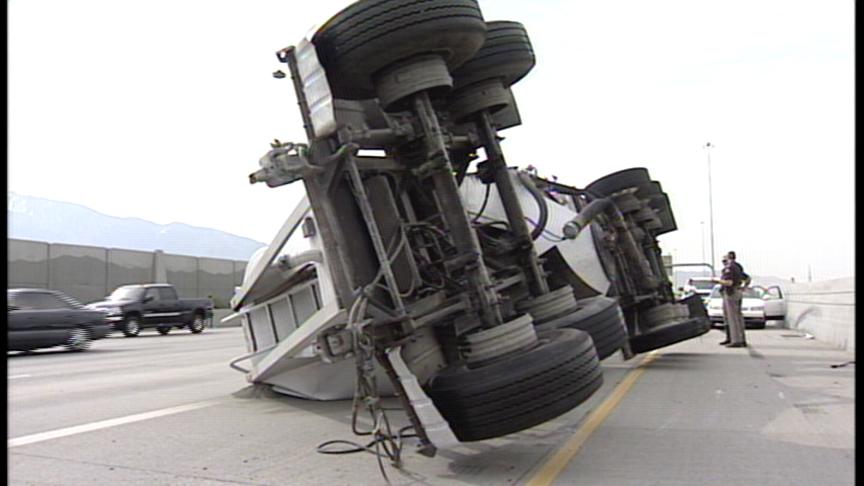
[34, 218]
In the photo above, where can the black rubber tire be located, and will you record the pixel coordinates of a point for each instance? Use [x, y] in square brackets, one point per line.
[197, 325]
[660, 202]
[628, 204]
[163, 330]
[519, 391]
[506, 54]
[79, 340]
[601, 318]
[668, 334]
[754, 325]
[667, 223]
[370, 34]
[618, 181]
[663, 313]
[645, 215]
[549, 306]
[131, 326]
[648, 189]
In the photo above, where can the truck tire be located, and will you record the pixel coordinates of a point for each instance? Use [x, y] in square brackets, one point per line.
[506, 54]
[369, 35]
[648, 189]
[667, 222]
[550, 305]
[628, 203]
[660, 202]
[669, 333]
[197, 324]
[755, 324]
[645, 215]
[518, 391]
[600, 317]
[659, 314]
[618, 181]
[131, 326]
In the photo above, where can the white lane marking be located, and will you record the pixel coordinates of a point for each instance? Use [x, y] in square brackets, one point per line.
[104, 424]
[14, 377]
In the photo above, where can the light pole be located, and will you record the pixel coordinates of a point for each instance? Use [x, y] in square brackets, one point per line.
[702, 230]
[710, 204]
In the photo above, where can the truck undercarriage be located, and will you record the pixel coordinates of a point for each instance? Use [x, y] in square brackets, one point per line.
[483, 296]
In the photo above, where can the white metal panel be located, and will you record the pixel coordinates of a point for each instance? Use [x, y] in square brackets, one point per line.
[304, 304]
[314, 379]
[283, 317]
[283, 357]
[256, 268]
[259, 320]
[580, 254]
[316, 88]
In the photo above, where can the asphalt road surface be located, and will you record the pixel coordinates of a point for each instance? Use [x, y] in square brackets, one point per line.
[168, 410]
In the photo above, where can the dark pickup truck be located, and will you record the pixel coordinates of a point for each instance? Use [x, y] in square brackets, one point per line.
[131, 308]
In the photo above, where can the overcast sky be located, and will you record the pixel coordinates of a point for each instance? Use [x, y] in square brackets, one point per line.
[160, 109]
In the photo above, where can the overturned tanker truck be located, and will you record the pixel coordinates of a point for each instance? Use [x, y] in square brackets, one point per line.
[481, 295]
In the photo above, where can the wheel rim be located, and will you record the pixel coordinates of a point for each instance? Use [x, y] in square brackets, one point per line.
[515, 335]
[132, 326]
[79, 339]
[198, 324]
[549, 305]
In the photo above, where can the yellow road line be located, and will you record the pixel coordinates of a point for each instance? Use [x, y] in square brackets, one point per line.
[553, 467]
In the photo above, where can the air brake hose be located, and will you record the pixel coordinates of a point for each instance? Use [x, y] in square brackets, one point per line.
[540, 198]
[628, 244]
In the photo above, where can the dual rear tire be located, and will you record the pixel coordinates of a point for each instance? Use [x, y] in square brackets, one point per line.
[367, 36]
[600, 317]
[669, 333]
[518, 391]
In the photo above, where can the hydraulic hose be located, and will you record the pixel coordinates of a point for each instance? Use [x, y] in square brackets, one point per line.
[605, 206]
[586, 216]
[540, 198]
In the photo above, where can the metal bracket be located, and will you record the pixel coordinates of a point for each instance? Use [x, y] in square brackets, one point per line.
[434, 432]
[335, 345]
[283, 164]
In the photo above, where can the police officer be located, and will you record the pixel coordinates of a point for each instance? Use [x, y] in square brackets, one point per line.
[732, 281]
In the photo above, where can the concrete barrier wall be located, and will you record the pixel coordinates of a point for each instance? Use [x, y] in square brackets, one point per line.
[214, 277]
[127, 267]
[27, 264]
[824, 309]
[79, 271]
[89, 273]
[182, 272]
[239, 269]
